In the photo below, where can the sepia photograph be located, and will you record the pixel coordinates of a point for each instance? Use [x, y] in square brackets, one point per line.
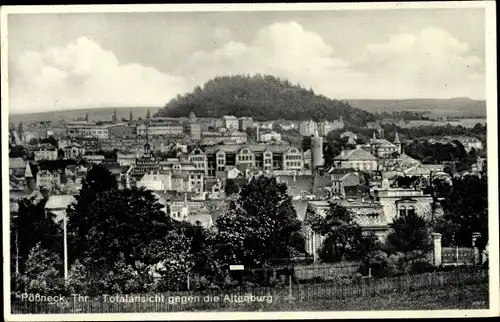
[249, 161]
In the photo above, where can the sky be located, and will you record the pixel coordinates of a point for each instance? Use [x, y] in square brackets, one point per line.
[85, 60]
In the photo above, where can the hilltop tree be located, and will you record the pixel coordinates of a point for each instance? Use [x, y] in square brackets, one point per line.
[263, 97]
[260, 226]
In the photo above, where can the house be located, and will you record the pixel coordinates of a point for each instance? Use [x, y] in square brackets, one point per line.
[73, 151]
[369, 215]
[357, 159]
[17, 167]
[160, 129]
[95, 159]
[270, 136]
[345, 184]
[58, 205]
[234, 173]
[349, 134]
[244, 123]
[308, 128]
[199, 159]
[126, 159]
[45, 154]
[253, 156]
[400, 201]
[230, 122]
[48, 179]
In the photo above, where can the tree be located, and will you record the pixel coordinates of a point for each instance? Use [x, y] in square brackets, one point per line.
[43, 272]
[231, 187]
[343, 236]
[126, 222]
[466, 207]
[31, 225]
[259, 226]
[148, 115]
[50, 140]
[87, 117]
[17, 151]
[263, 97]
[409, 232]
[97, 180]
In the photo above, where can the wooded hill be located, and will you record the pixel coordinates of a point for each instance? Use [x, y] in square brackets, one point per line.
[262, 97]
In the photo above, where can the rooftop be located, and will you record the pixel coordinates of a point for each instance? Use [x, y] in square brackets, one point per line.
[355, 154]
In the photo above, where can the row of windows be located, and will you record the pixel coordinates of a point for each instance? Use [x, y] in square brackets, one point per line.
[410, 211]
[245, 157]
[293, 164]
[198, 159]
[293, 157]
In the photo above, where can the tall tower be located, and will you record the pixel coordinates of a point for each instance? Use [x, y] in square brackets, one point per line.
[397, 142]
[114, 118]
[192, 117]
[130, 118]
[317, 159]
[148, 115]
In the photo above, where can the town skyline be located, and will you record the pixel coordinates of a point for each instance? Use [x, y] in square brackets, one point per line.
[75, 61]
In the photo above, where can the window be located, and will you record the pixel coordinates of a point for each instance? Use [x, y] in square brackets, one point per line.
[402, 211]
[411, 211]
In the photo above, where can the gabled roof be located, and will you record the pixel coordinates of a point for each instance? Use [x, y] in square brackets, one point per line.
[387, 144]
[17, 163]
[233, 148]
[355, 155]
[59, 201]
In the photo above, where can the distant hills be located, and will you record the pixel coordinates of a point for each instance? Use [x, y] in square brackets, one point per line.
[95, 114]
[263, 97]
[460, 106]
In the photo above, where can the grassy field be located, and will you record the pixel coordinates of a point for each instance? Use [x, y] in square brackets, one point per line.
[450, 298]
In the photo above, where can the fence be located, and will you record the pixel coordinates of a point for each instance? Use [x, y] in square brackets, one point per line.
[307, 272]
[457, 256]
[253, 298]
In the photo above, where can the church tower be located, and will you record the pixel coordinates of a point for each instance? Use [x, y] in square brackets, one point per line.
[114, 118]
[397, 142]
[317, 159]
[28, 177]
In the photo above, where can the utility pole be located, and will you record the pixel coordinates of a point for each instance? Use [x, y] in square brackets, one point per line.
[65, 249]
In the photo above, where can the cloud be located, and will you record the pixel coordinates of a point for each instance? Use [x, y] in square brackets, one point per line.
[431, 63]
[83, 74]
[282, 49]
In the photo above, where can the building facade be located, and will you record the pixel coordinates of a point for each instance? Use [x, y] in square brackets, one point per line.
[159, 129]
[45, 154]
[231, 122]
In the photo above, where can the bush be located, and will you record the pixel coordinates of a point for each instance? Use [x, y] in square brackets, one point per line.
[420, 266]
[384, 265]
